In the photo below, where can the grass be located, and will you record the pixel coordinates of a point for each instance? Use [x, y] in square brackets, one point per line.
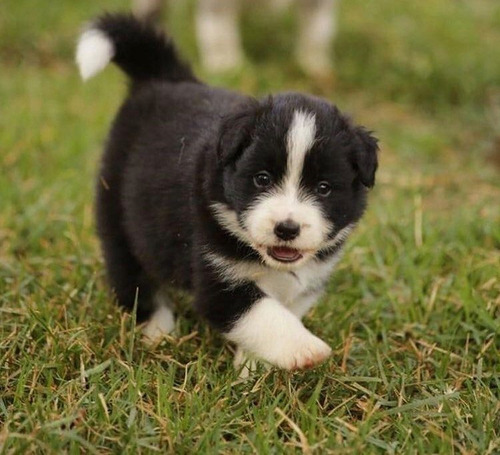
[413, 311]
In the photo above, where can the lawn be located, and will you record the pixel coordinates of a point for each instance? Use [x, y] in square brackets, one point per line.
[412, 313]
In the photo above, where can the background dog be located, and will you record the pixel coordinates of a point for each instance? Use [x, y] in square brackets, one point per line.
[219, 38]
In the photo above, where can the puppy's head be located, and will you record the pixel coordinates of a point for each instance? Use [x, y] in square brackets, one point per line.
[295, 174]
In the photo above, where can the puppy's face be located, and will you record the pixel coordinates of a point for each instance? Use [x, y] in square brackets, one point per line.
[295, 178]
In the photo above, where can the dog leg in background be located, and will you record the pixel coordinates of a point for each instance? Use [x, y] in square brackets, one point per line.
[317, 29]
[218, 34]
[272, 333]
[148, 10]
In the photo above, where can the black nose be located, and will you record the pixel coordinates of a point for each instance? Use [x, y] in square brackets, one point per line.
[287, 230]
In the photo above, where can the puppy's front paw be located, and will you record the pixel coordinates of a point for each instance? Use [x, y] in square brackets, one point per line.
[306, 353]
[272, 333]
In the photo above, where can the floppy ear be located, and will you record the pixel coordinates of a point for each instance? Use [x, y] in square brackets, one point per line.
[235, 133]
[364, 156]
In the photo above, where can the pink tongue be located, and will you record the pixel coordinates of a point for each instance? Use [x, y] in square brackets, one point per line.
[284, 252]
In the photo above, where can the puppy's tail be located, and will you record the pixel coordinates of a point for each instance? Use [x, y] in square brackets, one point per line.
[141, 51]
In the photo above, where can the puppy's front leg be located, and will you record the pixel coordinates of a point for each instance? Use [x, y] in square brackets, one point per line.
[272, 333]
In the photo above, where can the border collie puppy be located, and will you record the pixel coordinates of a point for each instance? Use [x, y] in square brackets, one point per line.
[246, 203]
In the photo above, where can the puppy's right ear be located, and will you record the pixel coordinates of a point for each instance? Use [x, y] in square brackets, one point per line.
[365, 160]
[235, 133]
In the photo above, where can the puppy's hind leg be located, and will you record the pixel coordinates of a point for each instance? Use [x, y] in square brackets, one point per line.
[162, 320]
[126, 277]
[134, 289]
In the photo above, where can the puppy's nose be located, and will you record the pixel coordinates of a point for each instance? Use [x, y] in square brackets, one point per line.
[287, 230]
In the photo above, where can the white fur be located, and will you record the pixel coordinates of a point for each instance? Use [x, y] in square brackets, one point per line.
[228, 219]
[260, 220]
[299, 141]
[244, 363]
[278, 206]
[235, 272]
[340, 237]
[297, 290]
[274, 334]
[94, 51]
[301, 305]
[162, 322]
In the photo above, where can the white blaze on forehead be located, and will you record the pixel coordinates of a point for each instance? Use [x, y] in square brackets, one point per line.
[299, 140]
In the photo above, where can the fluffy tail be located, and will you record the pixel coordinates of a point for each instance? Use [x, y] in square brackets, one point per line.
[137, 48]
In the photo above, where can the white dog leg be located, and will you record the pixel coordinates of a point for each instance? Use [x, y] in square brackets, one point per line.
[147, 10]
[218, 34]
[317, 28]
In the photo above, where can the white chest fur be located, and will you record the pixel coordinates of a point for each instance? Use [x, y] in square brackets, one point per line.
[285, 286]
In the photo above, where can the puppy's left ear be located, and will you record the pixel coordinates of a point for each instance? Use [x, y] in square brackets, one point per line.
[235, 133]
[364, 156]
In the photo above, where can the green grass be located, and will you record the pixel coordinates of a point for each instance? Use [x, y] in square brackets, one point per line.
[413, 311]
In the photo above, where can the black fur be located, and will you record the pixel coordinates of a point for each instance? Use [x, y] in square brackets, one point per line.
[141, 51]
[176, 147]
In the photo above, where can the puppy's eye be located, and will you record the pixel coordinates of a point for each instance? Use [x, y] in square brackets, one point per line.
[262, 179]
[323, 189]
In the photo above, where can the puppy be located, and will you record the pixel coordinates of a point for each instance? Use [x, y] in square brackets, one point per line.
[246, 203]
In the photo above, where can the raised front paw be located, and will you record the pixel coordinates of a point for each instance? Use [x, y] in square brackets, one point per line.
[270, 332]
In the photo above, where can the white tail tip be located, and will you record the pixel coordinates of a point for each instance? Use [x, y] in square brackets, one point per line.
[94, 51]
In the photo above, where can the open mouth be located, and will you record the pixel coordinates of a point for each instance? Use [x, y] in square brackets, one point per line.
[284, 254]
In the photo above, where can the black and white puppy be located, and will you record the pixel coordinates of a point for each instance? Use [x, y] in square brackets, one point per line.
[245, 203]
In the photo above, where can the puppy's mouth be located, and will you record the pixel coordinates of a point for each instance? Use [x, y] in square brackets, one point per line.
[284, 254]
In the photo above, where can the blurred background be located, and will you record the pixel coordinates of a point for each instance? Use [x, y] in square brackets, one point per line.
[425, 76]
[418, 288]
